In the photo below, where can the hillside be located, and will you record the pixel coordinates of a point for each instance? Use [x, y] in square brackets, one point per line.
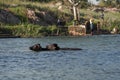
[30, 12]
[19, 17]
[30, 18]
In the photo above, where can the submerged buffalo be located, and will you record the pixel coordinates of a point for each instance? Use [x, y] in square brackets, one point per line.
[50, 47]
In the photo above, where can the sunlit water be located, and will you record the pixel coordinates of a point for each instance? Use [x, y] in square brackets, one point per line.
[99, 59]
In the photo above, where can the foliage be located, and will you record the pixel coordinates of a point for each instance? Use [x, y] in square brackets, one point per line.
[26, 29]
[30, 30]
[110, 3]
[41, 0]
[20, 12]
[111, 20]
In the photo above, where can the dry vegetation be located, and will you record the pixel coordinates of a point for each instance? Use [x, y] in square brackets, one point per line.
[27, 28]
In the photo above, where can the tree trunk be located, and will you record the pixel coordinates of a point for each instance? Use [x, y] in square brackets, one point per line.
[75, 13]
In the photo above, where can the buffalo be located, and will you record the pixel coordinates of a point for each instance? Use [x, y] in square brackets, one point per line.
[50, 47]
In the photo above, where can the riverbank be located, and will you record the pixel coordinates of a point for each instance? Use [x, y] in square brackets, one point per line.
[38, 31]
[35, 19]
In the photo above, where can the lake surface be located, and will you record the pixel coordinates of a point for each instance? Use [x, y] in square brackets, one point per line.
[99, 59]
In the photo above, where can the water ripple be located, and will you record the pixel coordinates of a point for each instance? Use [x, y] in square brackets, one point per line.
[99, 59]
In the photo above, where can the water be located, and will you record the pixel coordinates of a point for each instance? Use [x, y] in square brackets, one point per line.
[99, 59]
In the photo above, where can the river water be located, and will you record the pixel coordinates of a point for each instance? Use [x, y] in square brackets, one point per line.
[99, 59]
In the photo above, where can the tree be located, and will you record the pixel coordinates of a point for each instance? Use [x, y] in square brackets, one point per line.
[74, 4]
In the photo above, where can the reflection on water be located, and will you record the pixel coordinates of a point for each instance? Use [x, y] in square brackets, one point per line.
[99, 59]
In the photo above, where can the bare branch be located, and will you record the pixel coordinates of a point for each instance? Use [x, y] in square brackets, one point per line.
[71, 1]
[77, 3]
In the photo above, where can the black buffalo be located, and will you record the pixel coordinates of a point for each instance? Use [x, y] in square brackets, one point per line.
[50, 47]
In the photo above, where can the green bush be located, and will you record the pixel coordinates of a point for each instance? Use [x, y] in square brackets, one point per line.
[30, 30]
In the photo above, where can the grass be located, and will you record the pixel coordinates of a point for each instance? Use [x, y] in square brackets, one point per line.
[111, 19]
[30, 30]
[26, 29]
